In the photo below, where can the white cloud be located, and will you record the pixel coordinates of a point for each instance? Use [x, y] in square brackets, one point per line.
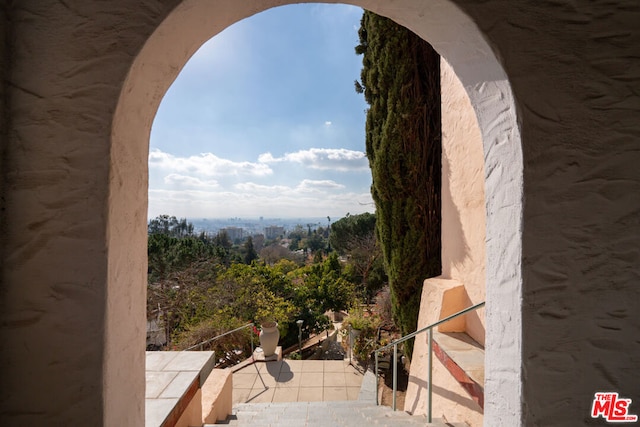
[250, 187]
[327, 123]
[206, 164]
[339, 159]
[222, 204]
[268, 158]
[324, 184]
[190, 181]
[305, 186]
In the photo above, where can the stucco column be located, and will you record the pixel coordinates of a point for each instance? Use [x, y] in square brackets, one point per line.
[574, 73]
[73, 275]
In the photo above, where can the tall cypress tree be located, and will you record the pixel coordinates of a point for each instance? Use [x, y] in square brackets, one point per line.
[401, 83]
[250, 253]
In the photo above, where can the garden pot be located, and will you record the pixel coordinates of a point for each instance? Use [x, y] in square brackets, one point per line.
[269, 336]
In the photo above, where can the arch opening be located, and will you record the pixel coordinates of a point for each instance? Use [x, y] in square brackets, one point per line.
[458, 40]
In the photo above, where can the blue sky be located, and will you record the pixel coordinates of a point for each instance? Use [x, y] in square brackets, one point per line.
[264, 121]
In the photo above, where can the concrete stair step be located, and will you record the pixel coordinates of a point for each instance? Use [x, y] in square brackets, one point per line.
[351, 413]
[464, 359]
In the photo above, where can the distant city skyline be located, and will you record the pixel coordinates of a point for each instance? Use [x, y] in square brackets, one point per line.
[253, 226]
[264, 121]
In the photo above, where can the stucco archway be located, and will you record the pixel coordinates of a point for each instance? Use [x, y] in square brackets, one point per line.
[456, 38]
[562, 271]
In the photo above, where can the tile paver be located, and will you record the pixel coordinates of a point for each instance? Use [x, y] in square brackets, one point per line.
[289, 379]
[353, 379]
[313, 365]
[337, 367]
[334, 393]
[178, 385]
[241, 394]
[312, 379]
[297, 380]
[261, 396]
[286, 394]
[353, 393]
[310, 394]
[241, 380]
[156, 382]
[334, 379]
[269, 381]
[291, 365]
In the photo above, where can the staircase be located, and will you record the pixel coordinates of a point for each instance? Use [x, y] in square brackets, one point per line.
[331, 413]
[353, 413]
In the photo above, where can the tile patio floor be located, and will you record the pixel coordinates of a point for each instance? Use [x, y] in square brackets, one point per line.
[297, 381]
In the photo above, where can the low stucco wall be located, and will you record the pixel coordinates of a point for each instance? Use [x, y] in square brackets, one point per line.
[217, 396]
[192, 415]
[440, 298]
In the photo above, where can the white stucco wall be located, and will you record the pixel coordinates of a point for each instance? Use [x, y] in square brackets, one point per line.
[561, 185]
[463, 255]
[463, 202]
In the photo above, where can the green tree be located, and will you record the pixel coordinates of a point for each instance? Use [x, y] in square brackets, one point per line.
[348, 230]
[223, 247]
[171, 226]
[296, 237]
[354, 236]
[197, 280]
[314, 242]
[167, 254]
[400, 80]
[250, 253]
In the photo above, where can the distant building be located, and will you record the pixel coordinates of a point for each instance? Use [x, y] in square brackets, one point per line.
[234, 233]
[273, 232]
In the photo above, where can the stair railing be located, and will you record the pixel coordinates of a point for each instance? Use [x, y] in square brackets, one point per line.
[394, 344]
[201, 345]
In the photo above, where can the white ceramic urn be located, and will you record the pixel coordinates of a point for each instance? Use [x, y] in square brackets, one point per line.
[269, 337]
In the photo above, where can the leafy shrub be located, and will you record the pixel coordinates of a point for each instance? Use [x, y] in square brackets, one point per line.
[366, 340]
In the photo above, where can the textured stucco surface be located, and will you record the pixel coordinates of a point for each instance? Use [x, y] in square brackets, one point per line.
[71, 319]
[575, 75]
[558, 116]
[462, 282]
[463, 201]
[217, 396]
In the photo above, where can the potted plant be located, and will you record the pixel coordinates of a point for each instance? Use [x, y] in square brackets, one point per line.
[362, 333]
[357, 321]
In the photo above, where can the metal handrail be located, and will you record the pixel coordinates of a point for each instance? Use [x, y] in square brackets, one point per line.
[248, 325]
[203, 343]
[395, 343]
